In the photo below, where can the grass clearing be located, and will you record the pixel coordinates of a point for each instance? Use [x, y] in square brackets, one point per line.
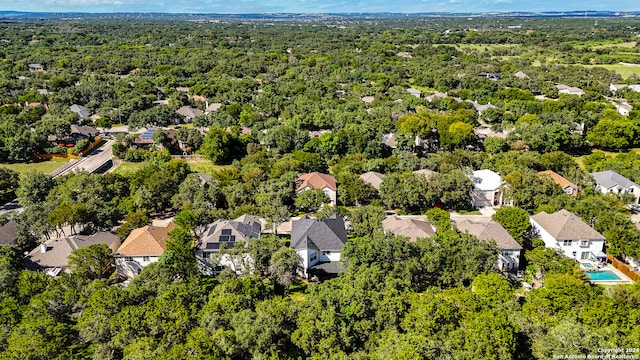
[126, 167]
[580, 159]
[623, 70]
[40, 166]
[196, 165]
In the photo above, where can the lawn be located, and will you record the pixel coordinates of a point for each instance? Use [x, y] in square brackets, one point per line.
[580, 159]
[623, 70]
[200, 166]
[41, 166]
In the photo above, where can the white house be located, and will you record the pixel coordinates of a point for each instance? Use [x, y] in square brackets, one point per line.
[316, 180]
[566, 232]
[318, 243]
[142, 247]
[616, 87]
[486, 188]
[609, 181]
[510, 250]
[569, 90]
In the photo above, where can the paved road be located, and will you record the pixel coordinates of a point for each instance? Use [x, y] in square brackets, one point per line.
[89, 163]
[10, 206]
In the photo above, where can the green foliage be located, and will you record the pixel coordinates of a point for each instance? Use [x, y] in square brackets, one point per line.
[90, 262]
[366, 220]
[515, 221]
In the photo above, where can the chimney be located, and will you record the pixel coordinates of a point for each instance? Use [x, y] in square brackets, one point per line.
[43, 248]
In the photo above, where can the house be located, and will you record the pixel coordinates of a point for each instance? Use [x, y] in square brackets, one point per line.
[566, 185]
[316, 180]
[189, 113]
[389, 140]
[372, 178]
[52, 255]
[490, 76]
[437, 95]
[609, 181]
[480, 108]
[521, 75]
[425, 172]
[569, 90]
[510, 249]
[318, 243]
[616, 87]
[622, 107]
[407, 226]
[36, 67]
[142, 247]
[224, 234]
[414, 92]
[9, 233]
[486, 188]
[213, 107]
[77, 133]
[145, 140]
[81, 111]
[566, 232]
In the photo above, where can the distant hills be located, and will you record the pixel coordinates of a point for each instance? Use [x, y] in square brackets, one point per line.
[7, 15]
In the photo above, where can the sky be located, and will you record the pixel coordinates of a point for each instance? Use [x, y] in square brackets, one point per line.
[314, 6]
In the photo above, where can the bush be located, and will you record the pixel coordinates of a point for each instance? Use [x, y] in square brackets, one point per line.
[135, 155]
[80, 145]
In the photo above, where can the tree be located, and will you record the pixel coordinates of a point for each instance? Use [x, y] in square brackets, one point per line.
[613, 131]
[353, 190]
[90, 262]
[452, 190]
[284, 266]
[405, 190]
[311, 200]
[215, 145]
[515, 221]
[179, 256]
[34, 188]
[366, 220]
[133, 220]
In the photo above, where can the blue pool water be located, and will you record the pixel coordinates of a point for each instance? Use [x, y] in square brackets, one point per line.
[586, 265]
[603, 275]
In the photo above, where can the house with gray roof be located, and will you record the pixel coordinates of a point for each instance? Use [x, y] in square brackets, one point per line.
[510, 249]
[570, 235]
[318, 243]
[52, 255]
[609, 181]
[225, 234]
[372, 178]
[81, 111]
[189, 113]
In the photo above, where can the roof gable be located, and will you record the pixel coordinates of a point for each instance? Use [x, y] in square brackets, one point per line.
[609, 179]
[487, 231]
[411, 228]
[147, 241]
[558, 179]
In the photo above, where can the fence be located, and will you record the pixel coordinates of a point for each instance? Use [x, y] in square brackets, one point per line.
[84, 152]
[624, 268]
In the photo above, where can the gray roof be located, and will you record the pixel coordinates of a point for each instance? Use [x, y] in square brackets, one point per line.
[189, 112]
[319, 234]
[563, 225]
[491, 230]
[609, 179]
[87, 131]
[82, 111]
[8, 233]
[58, 250]
[229, 232]
[372, 178]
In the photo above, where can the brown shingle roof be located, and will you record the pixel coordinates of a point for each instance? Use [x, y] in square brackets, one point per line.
[146, 241]
[372, 178]
[486, 231]
[316, 180]
[558, 179]
[563, 225]
[411, 228]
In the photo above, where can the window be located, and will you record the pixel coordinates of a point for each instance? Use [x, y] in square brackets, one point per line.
[226, 232]
[574, 254]
[313, 258]
[585, 255]
[145, 258]
[128, 258]
[566, 243]
[584, 242]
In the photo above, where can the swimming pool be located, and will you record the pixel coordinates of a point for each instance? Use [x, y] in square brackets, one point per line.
[603, 275]
[586, 265]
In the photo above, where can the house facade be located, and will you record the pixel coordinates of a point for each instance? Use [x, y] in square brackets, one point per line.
[316, 180]
[318, 243]
[567, 233]
[609, 181]
[510, 250]
[142, 247]
[486, 188]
